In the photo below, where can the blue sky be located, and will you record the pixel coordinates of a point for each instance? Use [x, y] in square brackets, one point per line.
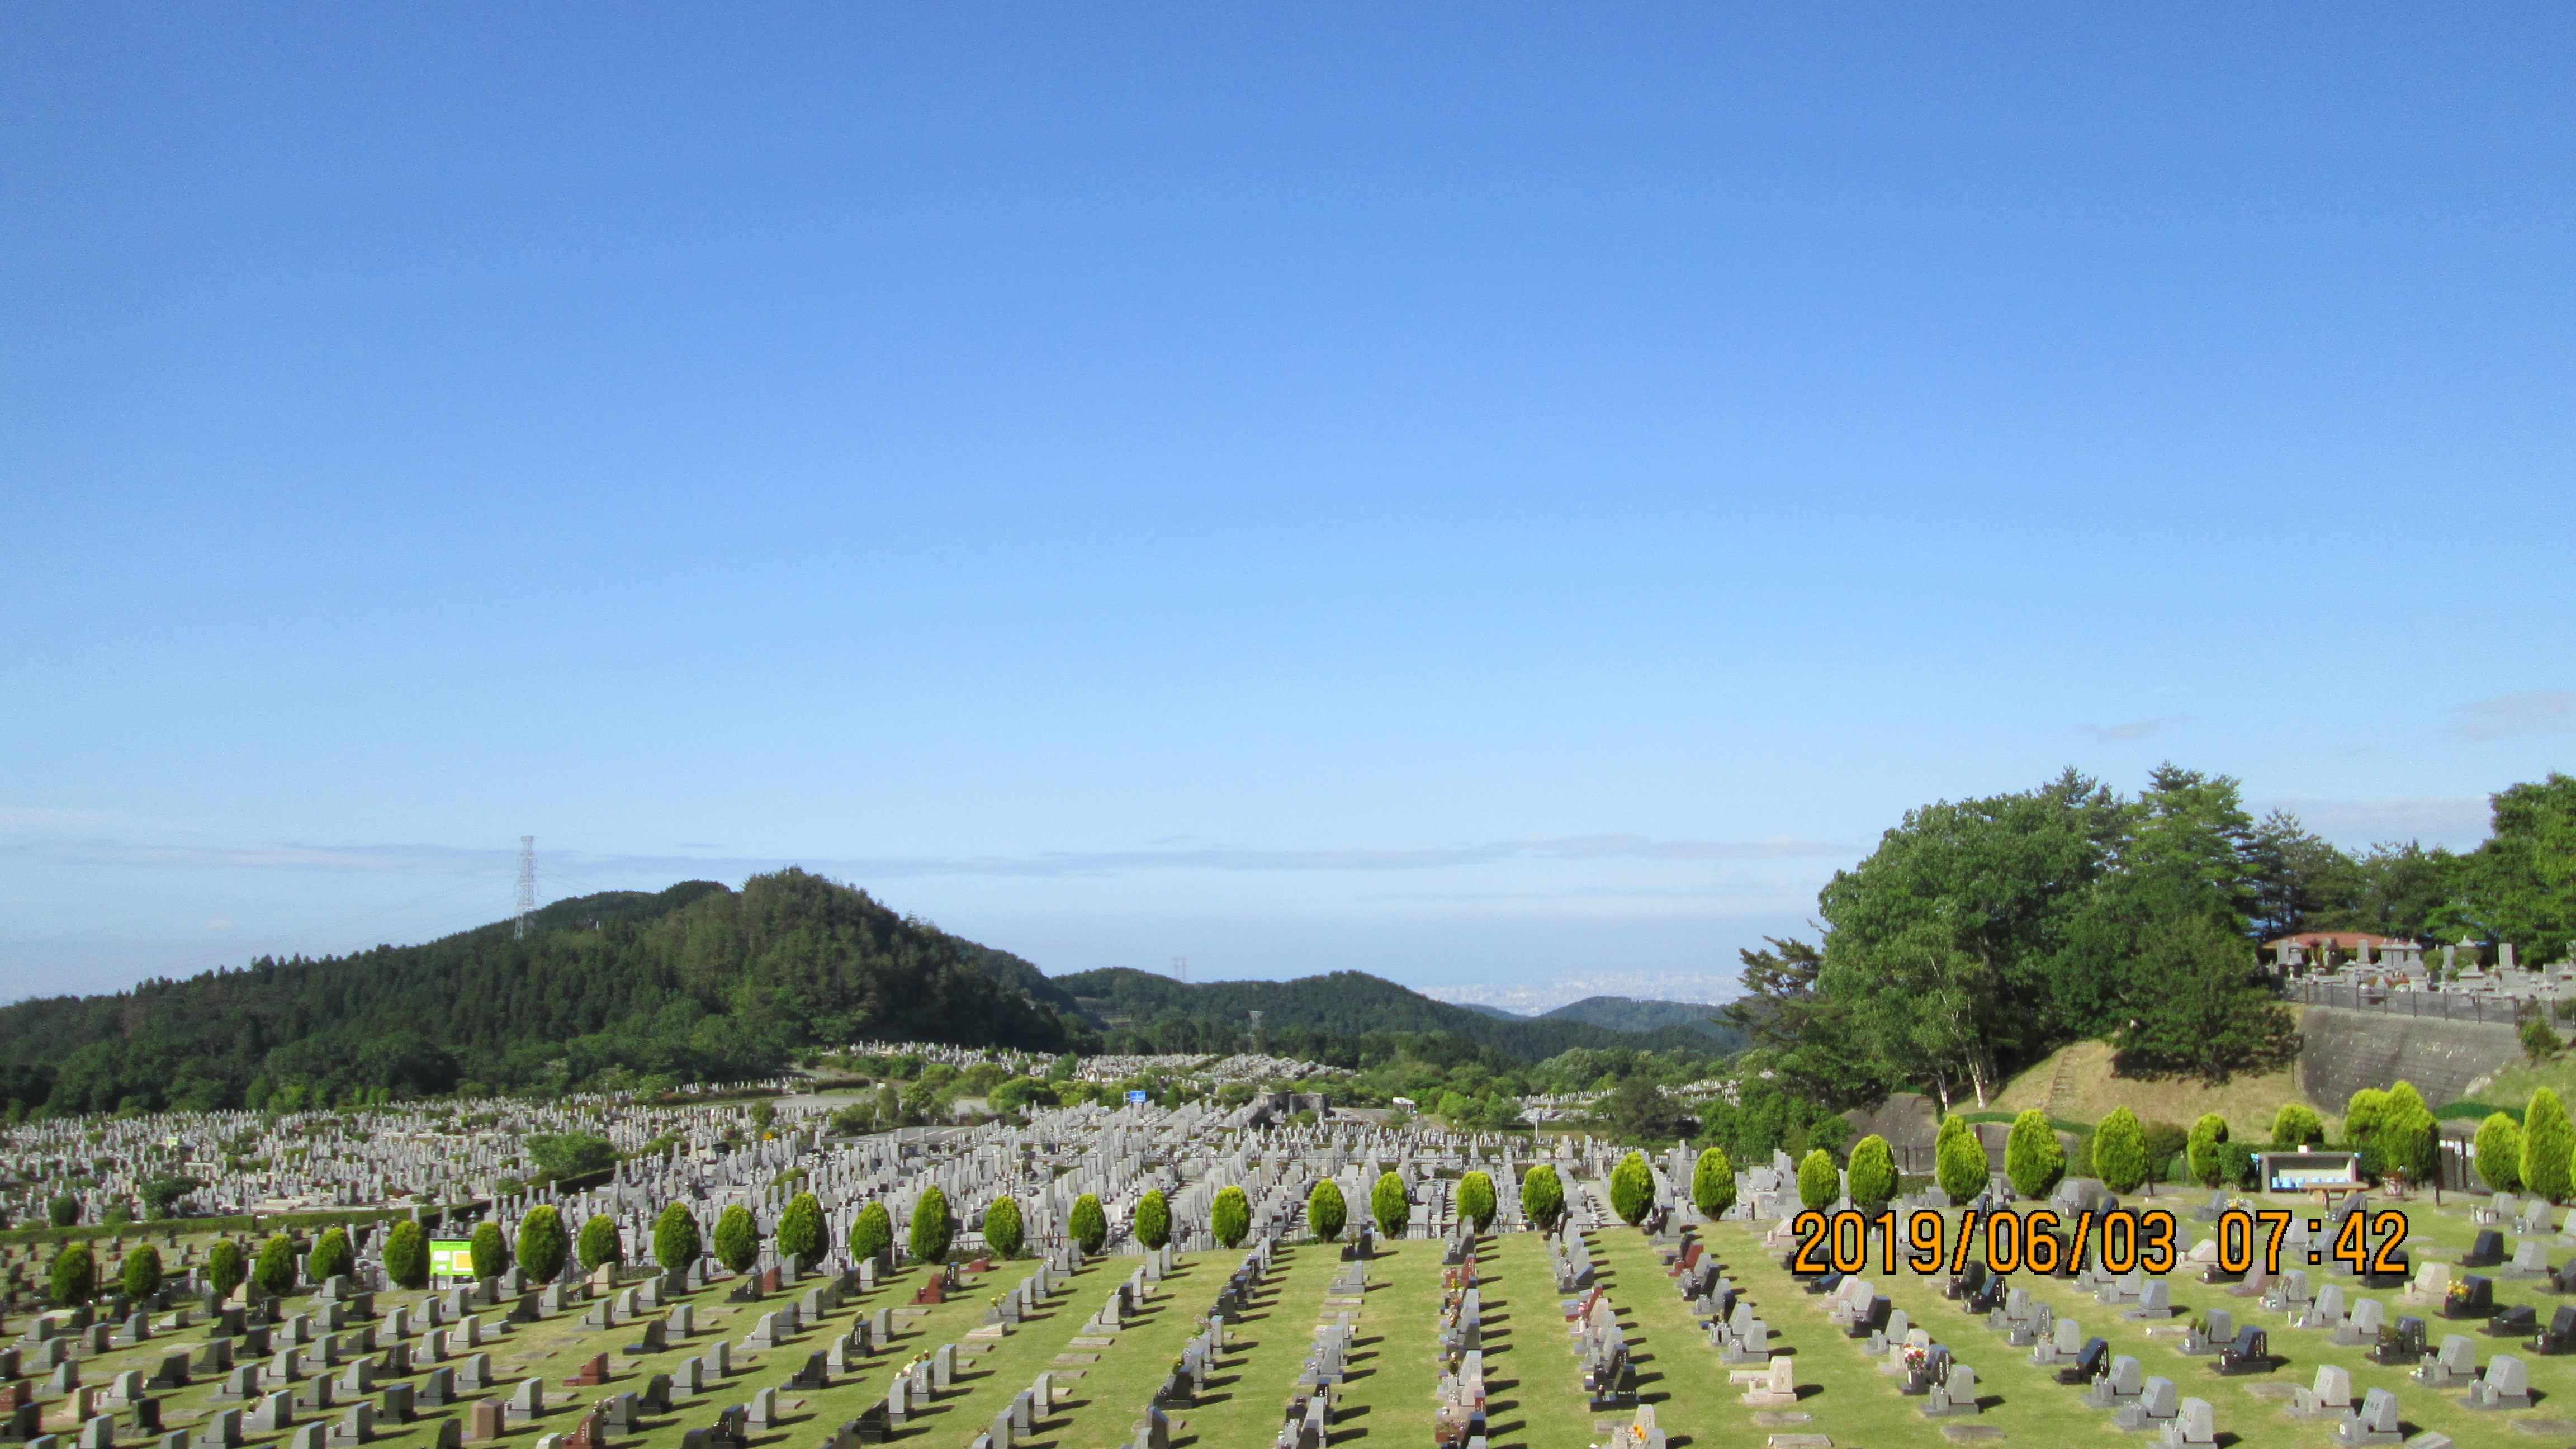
[1507, 497]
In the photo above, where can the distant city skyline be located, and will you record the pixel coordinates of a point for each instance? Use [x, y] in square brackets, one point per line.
[1505, 498]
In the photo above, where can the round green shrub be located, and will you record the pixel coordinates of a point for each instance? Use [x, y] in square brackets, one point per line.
[871, 1232]
[1542, 1198]
[1959, 1161]
[1475, 1200]
[1087, 1223]
[1325, 1210]
[1819, 1182]
[932, 1228]
[1632, 1189]
[737, 1239]
[407, 1255]
[676, 1243]
[2120, 1152]
[2499, 1150]
[1230, 1216]
[1004, 1233]
[1152, 1225]
[1871, 1173]
[599, 1243]
[544, 1246]
[2034, 1159]
[1712, 1183]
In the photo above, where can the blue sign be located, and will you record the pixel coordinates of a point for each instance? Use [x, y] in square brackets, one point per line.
[1136, 1096]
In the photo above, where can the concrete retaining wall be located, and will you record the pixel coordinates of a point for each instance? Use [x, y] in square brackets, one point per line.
[2345, 1051]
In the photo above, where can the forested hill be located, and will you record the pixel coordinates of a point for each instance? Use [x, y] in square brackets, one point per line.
[1177, 1016]
[695, 982]
[1624, 1013]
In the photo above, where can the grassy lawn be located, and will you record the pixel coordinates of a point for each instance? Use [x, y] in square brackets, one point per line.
[1535, 1401]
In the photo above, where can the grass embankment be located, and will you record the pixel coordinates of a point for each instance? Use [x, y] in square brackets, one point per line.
[2092, 1090]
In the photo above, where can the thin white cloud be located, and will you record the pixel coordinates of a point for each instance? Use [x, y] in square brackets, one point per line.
[2138, 731]
[2532, 712]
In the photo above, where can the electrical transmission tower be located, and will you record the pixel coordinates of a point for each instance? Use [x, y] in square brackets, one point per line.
[527, 883]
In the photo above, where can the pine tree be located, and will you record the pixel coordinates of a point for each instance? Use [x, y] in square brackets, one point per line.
[1390, 1206]
[1476, 1200]
[1542, 1198]
[599, 1243]
[737, 1239]
[140, 1274]
[407, 1255]
[544, 1246]
[931, 1229]
[2548, 1146]
[676, 1243]
[1230, 1217]
[801, 1233]
[1087, 1223]
[1959, 1161]
[1003, 1231]
[2120, 1151]
[1152, 1225]
[2033, 1157]
[2499, 1149]
[1325, 1210]
[871, 1232]
[1818, 1183]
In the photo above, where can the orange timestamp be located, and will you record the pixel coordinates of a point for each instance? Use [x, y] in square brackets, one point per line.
[2042, 1241]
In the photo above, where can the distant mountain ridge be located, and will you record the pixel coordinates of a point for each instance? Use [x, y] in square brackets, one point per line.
[1623, 1013]
[1355, 1003]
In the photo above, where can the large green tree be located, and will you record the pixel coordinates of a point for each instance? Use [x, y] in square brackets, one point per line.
[2520, 886]
[2208, 1016]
